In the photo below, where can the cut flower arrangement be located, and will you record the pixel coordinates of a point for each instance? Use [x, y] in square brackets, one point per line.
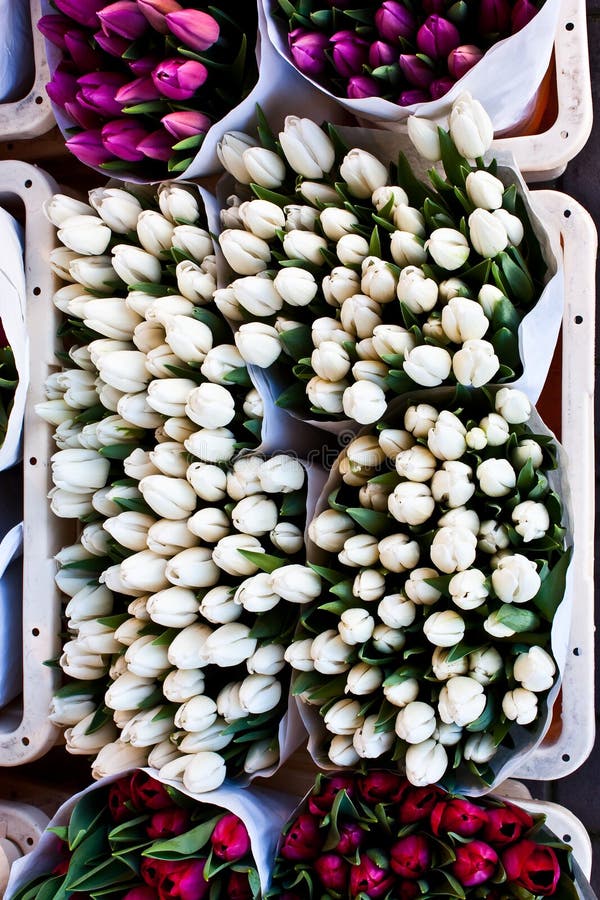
[177, 620]
[441, 546]
[362, 281]
[137, 84]
[375, 835]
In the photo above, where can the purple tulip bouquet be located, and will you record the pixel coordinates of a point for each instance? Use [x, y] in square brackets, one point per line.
[139, 83]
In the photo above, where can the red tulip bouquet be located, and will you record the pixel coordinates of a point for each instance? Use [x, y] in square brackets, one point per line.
[374, 835]
[137, 838]
[137, 84]
[385, 58]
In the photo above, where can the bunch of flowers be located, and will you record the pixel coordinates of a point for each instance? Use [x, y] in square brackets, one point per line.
[140, 82]
[140, 840]
[176, 626]
[375, 835]
[443, 551]
[404, 52]
[360, 281]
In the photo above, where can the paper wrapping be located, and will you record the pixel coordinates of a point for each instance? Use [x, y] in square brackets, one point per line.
[11, 605]
[263, 812]
[521, 59]
[505, 764]
[12, 316]
[16, 50]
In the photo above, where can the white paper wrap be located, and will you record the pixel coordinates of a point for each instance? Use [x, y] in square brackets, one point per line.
[505, 80]
[263, 812]
[12, 316]
[11, 603]
[505, 764]
[16, 49]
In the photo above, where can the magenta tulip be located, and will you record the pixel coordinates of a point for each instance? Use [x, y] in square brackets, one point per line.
[97, 92]
[437, 37]
[144, 65]
[333, 872]
[320, 803]
[407, 98]
[87, 146]
[382, 54]
[303, 840]
[148, 793]
[361, 86]
[77, 44]
[351, 838]
[349, 52]
[382, 787]
[157, 145]
[123, 18]
[410, 856]
[494, 17]
[83, 116]
[458, 816]
[532, 866]
[440, 87]
[112, 43]
[230, 840]
[394, 21]
[156, 12]
[63, 87]
[179, 79]
[186, 123]
[308, 50]
[417, 803]
[122, 136]
[54, 27]
[84, 12]
[434, 6]
[369, 878]
[416, 71]
[141, 893]
[238, 886]
[140, 90]
[185, 881]
[505, 825]
[153, 871]
[475, 863]
[463, 58]
[522, 13]
[195, 28]
[167, 823]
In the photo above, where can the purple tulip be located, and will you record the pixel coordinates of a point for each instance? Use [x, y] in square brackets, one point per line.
[437, 37]
[144, 65]
[87, 146]
[77, 43]
[440, 87]
[349, 52]
[186, 123]
[494, 17]
[434, 6]
[121, 137]
[178, 79]
[140, 90]
[361, 86]
[394, 21]
[54, 28]
[156, 12]
[415, 70]
[158, 145]
[522, 13]
[382, 54]
[112, 43]
[308, 50]
[85, 118]
[123, 18]
[195, 28]
[63, 87]
[407, 98]
[84, 12]
[461, 59]
[97, 92]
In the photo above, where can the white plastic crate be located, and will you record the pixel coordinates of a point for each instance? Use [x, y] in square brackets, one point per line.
[32, 115]
[25, 732]
[21, 827]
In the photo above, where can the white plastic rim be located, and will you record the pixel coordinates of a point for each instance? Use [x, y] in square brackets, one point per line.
[21, 827]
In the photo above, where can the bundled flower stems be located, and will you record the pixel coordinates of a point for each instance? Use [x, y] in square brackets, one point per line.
[375, 835]
[353, 281]
[443, 562]
[406, 53]
[139, 83]
[184, 587]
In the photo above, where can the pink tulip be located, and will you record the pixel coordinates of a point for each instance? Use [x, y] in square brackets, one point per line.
[157, 145]
[112, 43]
[54, 28]
[179, 79]
[440, 87]
[394, 21]
[84, 12]
[407, 98]
[97, 92]
[156, 12]
[186, 123]
[415, 70]
[122, 136]
[361, 86]
[77, 44]
[144, 65]
[84, 117]
[463, 58]
[63, 87]
[140, 90]
[230, 839]
[437, 37]
[349, 52]
[87, 146]
[308, 50]
[123, 18]
[382, 54]
[195, 28]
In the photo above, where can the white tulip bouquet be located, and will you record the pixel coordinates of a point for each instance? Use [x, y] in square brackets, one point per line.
[441, 546]
[355, 281]
[183, 587]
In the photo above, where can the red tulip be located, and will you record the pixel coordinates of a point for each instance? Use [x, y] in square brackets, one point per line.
[230, 839]
[195, 28]
[370, 878]
[410, 856]
[320, 804]
[147, 793]
[166, 823]
[407, 890]
[381, 787]
[463, 58]
[179, 79]
[62, 867]
[532, 866]
[351, 838]
[123, 18]
[333, 872]
[348, 52]
[475, 863]
[186, 123]
[157, 145]
[459, 816]
[153, 870]
[505, 825]
[417, 803]
[437, 37]
[156, 12]
[119, 798]
[308, 50]
[238, 887]
[184, 882]
[303, 840]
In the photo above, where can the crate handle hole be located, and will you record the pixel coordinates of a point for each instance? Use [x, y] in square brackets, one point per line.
[567, 213]
[28, 183]
[25, 741]
[37, 291]
[39, 100]
[35, 632]
[29, 842]
[570, 26]
[564, 135]
[33, 461]
[566, 838]
[576, 651]
[578, 320]
[566, 757]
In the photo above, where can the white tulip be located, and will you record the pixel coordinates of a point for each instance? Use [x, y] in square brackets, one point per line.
[259, 693]
[80, 743]
[287, 537]
[166, 537]
[117, 208]
[416, 291]
[230, 150]
[513, 405]
[407, 249]
[425, 137]
[258, 344]
[364, 402]
[446, 436]
[393, 441]
[266, 660]
[356, 626]
[425, 763]
[448, 734]
[363, 679]
[173, 607]
[244, 252]
[396, 611]
[531, 520]
[374, 496]
[295, 286]
[211, 738]
[59, 208]
[206, 771]
[116, 757]
[398, 553]
[66, 711]
[169, 395]
[535, 670]
[453, 549]
[318, 193]
[464, 320]
[144, 571]
[411, 503]
[129, 529]
[468, 589]
[451, 485]
[79, 471]
[134, 408]
[210, 524]
[296, 583]
[402, 693]
[388, 640]
[520, 706]
[211, 445]
[208, 481]
[299, 217]
[308, 150]
[227, 557]
[264, 167]
[341, 751]
[512, 225]
[90, 602]
[340, 284]
[326, 395]
[462, 700]
[492, 537]
[230, 645]
[363, 173]
[134, 265]
[497, 478]
[210, 406]
[352, 249]
[255, 515]
[416, 464]
[330, 654]
[497, 629]
[487, 233]
[189, 339]
[407, 218]
[257, 294]
[337, 222]
[177, 203]
[378, 280]
[188, 649]
[282, 474]
[365, 452]
[343, 717]
[129, 691]
[298, 655]
[381, 196]
[442, 669]
[86, 235]
[369, 585]
[448, 248]
[480, 748]
[193, 283]
[244, 478]
[484, 664]
[262, 218]
[427, 365]
[170, 498]
[484, 189]
[330, 530]
[124, 370]
[146, 658]
[371, 743]
[169, 458]
[305, 246]
[192, 568]
[326, 329]
[496, 429]
[471, 129]
[516, 579]
[217, 605]
[196, 714]
[78, 663]
[330, 361]
[527, 449]
[183, 684]
[445, 628]
[415, 722]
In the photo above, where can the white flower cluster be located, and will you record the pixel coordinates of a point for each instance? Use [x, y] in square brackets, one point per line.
[166, 585]
[369, 287]
[436, 569]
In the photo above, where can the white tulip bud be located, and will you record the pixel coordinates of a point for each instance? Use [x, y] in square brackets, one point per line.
[516, 579]
[262, 218]
[535, 670]
[531, 520]
[79, 471]
[416, 464]
[230, 645]
[398, 553]
[299, 217]
[264, 167]
[317, 193]
[411, 503]
[266, 660]
[363, 679]
[512, 225]
[68, 711]
[183, 684]
[257, 294]
[462, 700]
[90, 602]
[339, 285]
[124, 370]
[374, 496]
[484, 664]
[528, 449]
[396, 611]
[80, 743]
[364, 402]
[146, 658]
[129, 691]
[118, 757]
[451, 485]
[258, 344]
[193, 283]
[177, 203]
[378, 280]
[445, 628]
[352, 249]
[425, 137]
[337, 222]
[513, 405]
[86, 235]
[480, 748]
[425, 763]
[453, 549]
[341, 751]
[487, 233]
[442, 669]
[463, 320]
[282, 474]
[446, 437]
[416, 291]
[356, 626]
[471, 128]
[520, 706]
[211, 445]
[244, 252]
[210, 524]
[330, 361]
[192, 568]
[468, 589]
[95, 273]
[170, 498]
[427, 365]
[484, 189]
[496, 429]
[326, 395]
[407, 218]
[388, 640]
[217, 605]
[363, 173]
[359, 550]
[206, 771]
[305, 246]
[259, 693]
[369, 585]
[170, 459]
[453, 287]
[196, 714]
[492, 537]
[496, 477]
[496, 628]
[330, 530]
[475, 364]
[298, 655]
[448, 248]
[129, 529]
[168, 396]
[211, 738]
[227, 557]
[287, 537]
[393, 441]
[415, 722]
[230, 151]
[144, 571]
[402, 693]
[326, 329]
[295, 286]
[476, 439]
[381, 196]
[210, 406]
[370, 743]
[208, 481]
[407, 249]
[296, 583]
[330, 654]
[343, 717]
[255, 515]
[166, 537]
[417, 589]
[448, 734]
[59, 208]
[308, 150]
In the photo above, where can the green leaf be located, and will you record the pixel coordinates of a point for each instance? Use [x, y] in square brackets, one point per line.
[375, 243]
[518, 281]
[297, 342]
[417, 191]
[150, 288]
[264, 561]
[459, 651]
[506, 347]
[127, 831]
[373, 522]
[330, 575]
[551, 593]
[294, 504]
[86, 815]
[220, 330]
[184, 845]
[454, 164]
[117, 451]
[517, 618]
[109, 872]
[265, 194]
[505, 315]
